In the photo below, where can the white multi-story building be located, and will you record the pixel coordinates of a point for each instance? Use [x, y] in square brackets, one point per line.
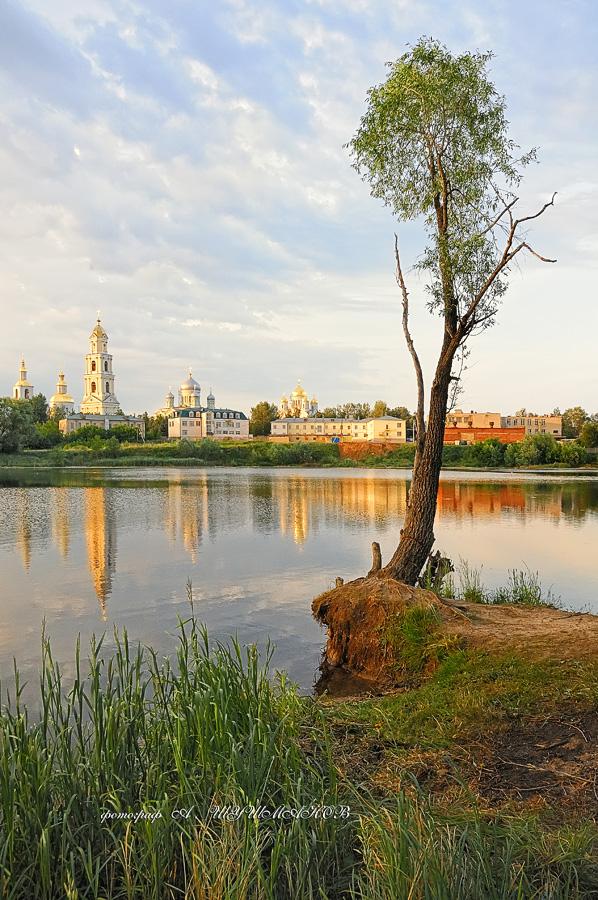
[535, 424]
[193, 421]
[99, 406]
[99, 398]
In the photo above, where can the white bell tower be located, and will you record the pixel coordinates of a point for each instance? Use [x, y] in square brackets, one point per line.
[99, 378]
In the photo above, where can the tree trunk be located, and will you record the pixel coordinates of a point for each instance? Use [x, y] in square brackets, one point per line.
[417, 534]
[377, 558]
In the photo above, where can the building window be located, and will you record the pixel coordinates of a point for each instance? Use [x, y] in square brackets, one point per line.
[107, 388]
[93, 387]
[93, 365]
[105, 366]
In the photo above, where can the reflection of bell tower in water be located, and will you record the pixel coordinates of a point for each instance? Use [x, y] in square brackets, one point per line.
[100, 533]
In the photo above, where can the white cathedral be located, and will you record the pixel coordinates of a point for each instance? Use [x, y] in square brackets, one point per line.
[299, 406]
[99, 405]
[189, 419]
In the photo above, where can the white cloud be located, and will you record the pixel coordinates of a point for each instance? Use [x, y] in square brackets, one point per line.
[182, 168]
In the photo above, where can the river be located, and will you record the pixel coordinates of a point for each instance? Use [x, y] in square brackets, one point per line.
[86, 550]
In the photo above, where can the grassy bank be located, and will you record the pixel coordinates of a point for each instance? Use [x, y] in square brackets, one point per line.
[536, 450]
[182, 453]
[118, 788]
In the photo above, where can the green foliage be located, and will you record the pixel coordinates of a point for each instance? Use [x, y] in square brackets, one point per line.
[417, 639]
[437, 121]
[410, 851]
[542, 449]
[17, 429]
[523, 588]
[39, 408]
[84, 435]
[262, 416]
[137, 734]
[49, 434]
[573, 454]
[344, 410]
[589, 434]
[380, 409]
[131, 734]
[574, 419]
[401, 457]
[156, 427]
[123, 433]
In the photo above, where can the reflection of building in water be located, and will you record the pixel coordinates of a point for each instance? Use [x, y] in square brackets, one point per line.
[305, 502]
[100, 533]
[186, 514]
[61, 529]
[23, 526]
[462, 500]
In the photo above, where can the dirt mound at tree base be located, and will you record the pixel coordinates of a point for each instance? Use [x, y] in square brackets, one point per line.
[358, 615]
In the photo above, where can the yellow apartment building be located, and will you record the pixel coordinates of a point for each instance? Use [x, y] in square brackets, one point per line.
[384, 428]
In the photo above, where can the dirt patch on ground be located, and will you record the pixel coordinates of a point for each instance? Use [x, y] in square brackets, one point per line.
[536, 633]
[554, 757]
[358, 450]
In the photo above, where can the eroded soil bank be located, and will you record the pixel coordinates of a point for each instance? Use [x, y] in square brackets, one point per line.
[359, 617]
[507, 711]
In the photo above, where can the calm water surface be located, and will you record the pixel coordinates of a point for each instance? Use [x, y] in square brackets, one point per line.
[88, 550]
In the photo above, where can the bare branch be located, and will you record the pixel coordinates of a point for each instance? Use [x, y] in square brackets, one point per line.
[468, 321]
[420, 417]
[499, 217]
[533, 252]
[545, 207]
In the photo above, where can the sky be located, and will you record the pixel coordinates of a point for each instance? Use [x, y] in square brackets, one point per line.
[181, 167]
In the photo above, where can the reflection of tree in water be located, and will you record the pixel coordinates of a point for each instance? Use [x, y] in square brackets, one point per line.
[579, 499]
[264, 506]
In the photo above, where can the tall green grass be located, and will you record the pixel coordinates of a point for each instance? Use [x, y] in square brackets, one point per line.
[524, 588]
[413, 853]
[136, 734]
[110, 793]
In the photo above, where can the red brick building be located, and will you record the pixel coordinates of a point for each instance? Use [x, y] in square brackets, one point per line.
[454, 435]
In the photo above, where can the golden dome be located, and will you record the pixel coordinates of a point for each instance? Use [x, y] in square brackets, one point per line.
[299, 392]
[98, 331]
[59, 399]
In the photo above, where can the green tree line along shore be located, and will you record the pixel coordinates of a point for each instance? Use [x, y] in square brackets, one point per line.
[30, 437]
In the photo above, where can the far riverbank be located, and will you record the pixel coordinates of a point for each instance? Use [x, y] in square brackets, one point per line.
[531, 455]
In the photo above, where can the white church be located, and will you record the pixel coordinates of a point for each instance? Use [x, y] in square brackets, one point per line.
[189, 419]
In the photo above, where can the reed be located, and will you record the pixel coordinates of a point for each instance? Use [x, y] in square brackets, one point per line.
[117, 789]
